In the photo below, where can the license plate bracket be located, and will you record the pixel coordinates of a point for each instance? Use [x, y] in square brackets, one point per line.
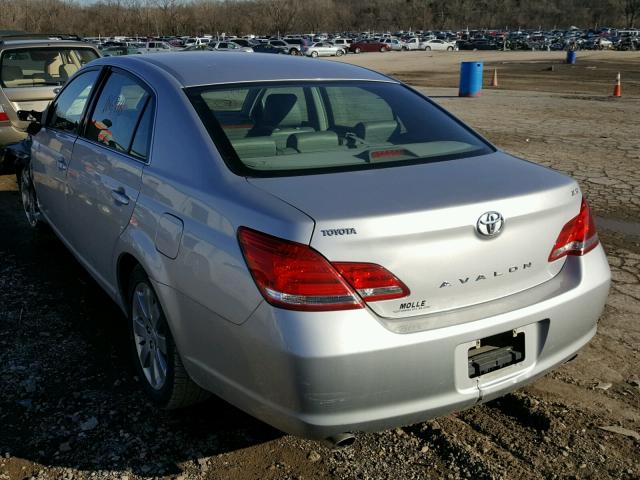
[496, 352]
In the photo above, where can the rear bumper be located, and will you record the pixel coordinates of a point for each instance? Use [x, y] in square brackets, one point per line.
[318, 374]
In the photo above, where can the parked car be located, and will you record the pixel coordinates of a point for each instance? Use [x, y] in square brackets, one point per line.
[415, 43]
[323, 49]
[117, 51]
[155, 47]
[243, 42]
[291, 49]
[480, 44]
[344, 43]
[603, 44]
[394, 44]
[268, 48]
[440, 45]
[296, 45]
[368, 46]
[230, 46]
[32, 69]
[197, 48]
[112, 43]
[260, 268]
[197, 41]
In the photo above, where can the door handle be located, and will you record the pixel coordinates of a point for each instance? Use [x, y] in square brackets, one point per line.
[62, 165]
[119, 196]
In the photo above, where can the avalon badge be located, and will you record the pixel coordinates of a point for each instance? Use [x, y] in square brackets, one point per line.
[490, 224]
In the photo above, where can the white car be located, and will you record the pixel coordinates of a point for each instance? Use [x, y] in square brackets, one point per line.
[155, 47]
[415, 44]
[229, 46]
[197, 41]
[603, 43]
[441, 45]
[323, 49]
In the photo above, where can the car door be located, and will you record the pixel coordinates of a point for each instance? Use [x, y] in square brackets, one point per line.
[53, 146]
[105, 172]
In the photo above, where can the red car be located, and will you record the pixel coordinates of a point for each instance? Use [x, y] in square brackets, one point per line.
[368, 46]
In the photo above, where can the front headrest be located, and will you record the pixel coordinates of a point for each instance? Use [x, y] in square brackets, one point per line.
[278, 107]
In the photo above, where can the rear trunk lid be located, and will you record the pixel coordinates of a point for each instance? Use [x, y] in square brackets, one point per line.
[420, 223]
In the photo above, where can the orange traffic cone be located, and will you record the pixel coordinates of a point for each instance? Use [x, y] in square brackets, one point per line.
[494, 80]
[617, 90]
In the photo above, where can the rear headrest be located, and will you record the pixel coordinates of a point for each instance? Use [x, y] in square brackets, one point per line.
[254, 147]
[279, 110]
[313, 141]
[376, 132]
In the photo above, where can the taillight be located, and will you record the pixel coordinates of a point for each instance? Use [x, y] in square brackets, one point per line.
[296, 277]
[371, 281]
[3, 115]
[577, 237]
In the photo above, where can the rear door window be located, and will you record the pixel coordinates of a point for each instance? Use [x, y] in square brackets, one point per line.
[142, 137]
[117, 112]
[38, 67]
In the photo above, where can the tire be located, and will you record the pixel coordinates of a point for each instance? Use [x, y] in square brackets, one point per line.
[29, 198]
[357, 50]
[294, 52]
[449, 49]
[314, 54]
[148, 328]
[427, 48]
[339, 53]
[382, 49]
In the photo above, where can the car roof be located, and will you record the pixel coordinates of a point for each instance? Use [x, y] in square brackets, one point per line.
[25, 43]
[208, 68]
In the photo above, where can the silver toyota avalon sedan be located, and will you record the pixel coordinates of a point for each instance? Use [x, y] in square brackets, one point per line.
[316, 243]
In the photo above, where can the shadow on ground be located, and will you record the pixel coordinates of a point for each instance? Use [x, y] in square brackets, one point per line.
[69, 396]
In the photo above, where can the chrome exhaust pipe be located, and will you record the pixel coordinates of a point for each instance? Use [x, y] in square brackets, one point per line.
[341, 440]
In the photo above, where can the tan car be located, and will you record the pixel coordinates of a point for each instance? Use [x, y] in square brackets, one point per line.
[32, 70]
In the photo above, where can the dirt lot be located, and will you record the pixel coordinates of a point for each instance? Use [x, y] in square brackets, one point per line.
[70, 406]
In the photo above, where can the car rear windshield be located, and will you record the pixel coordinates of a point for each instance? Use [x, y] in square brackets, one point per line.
[303, 128]
[37, 67]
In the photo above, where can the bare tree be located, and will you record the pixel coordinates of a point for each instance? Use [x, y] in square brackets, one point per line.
[631, 12]
[189, 17]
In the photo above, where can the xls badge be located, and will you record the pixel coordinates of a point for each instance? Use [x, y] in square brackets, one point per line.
[490, 224]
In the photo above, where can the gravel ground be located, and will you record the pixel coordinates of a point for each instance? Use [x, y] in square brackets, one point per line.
[71, 408]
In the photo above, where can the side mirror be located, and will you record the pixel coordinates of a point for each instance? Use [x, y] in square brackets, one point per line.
[33, 117]
[29, 116]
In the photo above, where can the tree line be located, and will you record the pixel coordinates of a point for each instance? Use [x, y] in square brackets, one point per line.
[192, 17]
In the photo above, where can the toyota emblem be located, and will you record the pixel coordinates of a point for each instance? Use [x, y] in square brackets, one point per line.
[490, 224]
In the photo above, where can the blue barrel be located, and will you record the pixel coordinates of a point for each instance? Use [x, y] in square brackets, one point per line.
[571, 57]
[470, 79]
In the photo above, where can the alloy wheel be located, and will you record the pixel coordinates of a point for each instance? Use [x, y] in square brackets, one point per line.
[149, 336]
